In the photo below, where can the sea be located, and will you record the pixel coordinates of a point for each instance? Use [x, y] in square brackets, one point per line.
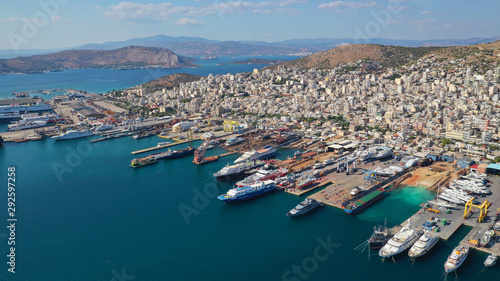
[83, 214]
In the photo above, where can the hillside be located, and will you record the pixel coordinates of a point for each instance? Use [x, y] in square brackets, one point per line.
[386, 56]
[170, 81]
[127, 57]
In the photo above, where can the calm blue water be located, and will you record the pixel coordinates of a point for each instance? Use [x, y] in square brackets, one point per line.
[103, 80]
[83, 214]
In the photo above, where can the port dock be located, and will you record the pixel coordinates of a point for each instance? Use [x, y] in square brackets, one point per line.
[162, 146]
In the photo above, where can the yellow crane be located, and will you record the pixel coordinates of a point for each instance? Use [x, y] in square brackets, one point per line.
[483, 208]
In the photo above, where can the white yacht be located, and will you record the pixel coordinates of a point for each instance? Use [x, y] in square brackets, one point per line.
[305, 206]
[233, 141]
[237, 169]
[366, 155]
[423, 245]
[267, 151]
[400, 241]
[491, 260]
[71, 134]
[104, 127]
[384, 153]
[25, 125]
[456, 258]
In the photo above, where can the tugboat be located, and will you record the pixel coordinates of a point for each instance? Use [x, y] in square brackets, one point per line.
[380, 236]
[199, 155]
[305, 206]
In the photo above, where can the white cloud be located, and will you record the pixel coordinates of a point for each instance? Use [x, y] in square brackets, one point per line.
[350, 5]
[425, 12]
[58, 19]
[397, 8]
[188, 22]
[290, 2]
[11, 19]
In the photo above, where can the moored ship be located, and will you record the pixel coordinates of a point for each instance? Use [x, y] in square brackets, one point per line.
[305, 206]
[363, 202]
[423, 245]
[379, 237]
[141, 162]
[456, 258]
[266, 151]
[237, 170]
[72, 134]
[400, 242]
[247, 192]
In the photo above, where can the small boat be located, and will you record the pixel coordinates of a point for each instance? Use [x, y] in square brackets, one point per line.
[486, 239]
[491, 260]
[497, 226]
[456, 258]
[162, 143]
[297, 153]
[305, 206]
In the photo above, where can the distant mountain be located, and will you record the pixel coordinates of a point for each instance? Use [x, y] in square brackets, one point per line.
[254, 61]
[127, 57]
[197, 46]
[170, 81]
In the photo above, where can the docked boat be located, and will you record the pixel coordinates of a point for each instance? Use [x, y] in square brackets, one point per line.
[456, 258]
[305, 182]
[8, 117]
[496, 226]
[486, 239]
[328, 161]
[141, 162]
[305, 206]
[491, 260]
[49, 118]
[175, 153]
[104, 127]
[25, 125]
[366, 155]
[423, 245]
[247, 192]
[267, 151]
[25, 108]
[400, 242]
[363, 202]
[260, 174]
[237, 169]
[162, 143]
[442, 203]
[379, 237]
[233, 141]
[72, 134]
[383, 153]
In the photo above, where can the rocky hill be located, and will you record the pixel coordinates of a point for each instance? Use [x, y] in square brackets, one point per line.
[127, 57]
[387, 56]
[395, 56]
[170, 81]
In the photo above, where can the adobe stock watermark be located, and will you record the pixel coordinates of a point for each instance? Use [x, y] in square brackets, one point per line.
[310, 264]
[73, 159]
[381, 19]
[31, 26]
[121, 276]
[200, 201]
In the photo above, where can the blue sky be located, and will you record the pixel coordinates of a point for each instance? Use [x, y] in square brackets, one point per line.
[42, 24]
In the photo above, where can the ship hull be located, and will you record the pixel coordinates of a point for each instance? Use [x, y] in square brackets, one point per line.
[364, 206]
[246, 196]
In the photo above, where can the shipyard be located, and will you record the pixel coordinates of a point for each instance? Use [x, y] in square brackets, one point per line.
[349, 156]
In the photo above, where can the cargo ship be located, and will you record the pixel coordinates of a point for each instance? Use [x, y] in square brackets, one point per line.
[141, 162]
[360, 204]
